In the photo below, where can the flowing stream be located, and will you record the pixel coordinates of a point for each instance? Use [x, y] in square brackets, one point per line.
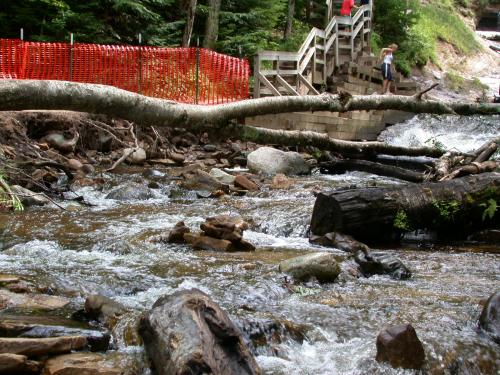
[107, 249]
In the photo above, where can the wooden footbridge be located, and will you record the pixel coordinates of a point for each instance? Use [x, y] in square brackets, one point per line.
[336, 58]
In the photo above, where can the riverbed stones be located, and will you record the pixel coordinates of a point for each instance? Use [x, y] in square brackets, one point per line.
[31, 301]
[245, 183]
[377, 263]
[88, 364]
[218, 229]
[222, 176]
[201, 180]
[29, 198]
[130, 191]
[322, 266]
[400, 346]
[17, 364]
[103, 309]
[210, 243]
[188, 333]
[34, 347]
[339, 241]
[489, 321]
[135, 156]
[74, 164]
[270, 161]
[176, 235]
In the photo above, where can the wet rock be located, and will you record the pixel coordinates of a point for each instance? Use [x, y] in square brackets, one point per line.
[226, 228]
[74, 164]
[130, 191]
[222, 176]
[242, 245]
[153, 174]
[265, 333]
[270, 161]
[280, 181]
[36, 327]
[400, 346]
[322, 266]
[176, 157]
[245, 183]
[87, 169]
[176, 235]
[462, 367]
[89, 364]
[31, 301]
[41, 346]
[200, 180]
[210, 243]
[103, 309]
[209, 148]
[488, 236]
[373, 263]
[339, 241]
[240, 160]
[138, 155]
[29, 198]
[17, 364]
[489, 321]
[188, 333]
[61, 143]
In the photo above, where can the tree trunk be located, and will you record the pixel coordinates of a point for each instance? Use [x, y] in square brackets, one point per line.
[190, 6]
[289, 19]
[99, 99]
[308, 10]
[452, 208]
[339, 166]
[212, 24]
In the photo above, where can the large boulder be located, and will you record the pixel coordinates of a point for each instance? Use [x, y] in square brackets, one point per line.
[130, 191]
[188, 333]
[489, 321]
[270, 161]
[376, 263]
[322, 266]
[400, 346]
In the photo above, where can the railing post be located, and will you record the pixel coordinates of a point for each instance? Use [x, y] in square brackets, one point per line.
[337, 44]
[22, 33]
[256, 80]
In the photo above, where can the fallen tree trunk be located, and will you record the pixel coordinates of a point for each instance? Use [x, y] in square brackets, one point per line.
[340, 166]
[453, 208]
[146, 111]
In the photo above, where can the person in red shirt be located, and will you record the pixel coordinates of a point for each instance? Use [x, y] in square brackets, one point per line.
[347, 6]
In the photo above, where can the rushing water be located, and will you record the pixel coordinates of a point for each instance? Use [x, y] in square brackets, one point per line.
[107, 249]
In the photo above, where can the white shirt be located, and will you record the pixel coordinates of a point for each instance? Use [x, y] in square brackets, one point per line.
[388, 58]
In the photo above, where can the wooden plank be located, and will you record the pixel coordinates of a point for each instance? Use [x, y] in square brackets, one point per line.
[306, 60]
[307, 84]
[269, 85]
[277, 55]
[282, 72]
[286, 85]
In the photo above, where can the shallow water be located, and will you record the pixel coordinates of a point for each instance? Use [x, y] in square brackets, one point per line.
[107, 249]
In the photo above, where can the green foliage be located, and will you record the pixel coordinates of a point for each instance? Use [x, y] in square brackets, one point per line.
[7, 200]
[490, 208]
[447, 210]
[436, 143]
[402, 222]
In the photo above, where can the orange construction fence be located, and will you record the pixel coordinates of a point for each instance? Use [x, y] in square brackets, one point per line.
[187, 75]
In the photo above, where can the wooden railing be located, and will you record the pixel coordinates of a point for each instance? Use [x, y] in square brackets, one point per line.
[295, 73]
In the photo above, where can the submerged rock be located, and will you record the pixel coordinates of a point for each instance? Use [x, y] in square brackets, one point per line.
[381, 264]
[188, 333]
[176, 235]
[103, 309]
[400, 346]
[270, 161]
[130, 191]
[489, 321]
[339, 241]
[322, 266]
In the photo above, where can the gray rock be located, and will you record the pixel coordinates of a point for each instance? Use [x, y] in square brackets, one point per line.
[102, 308]
[270, 161]
[322, 266]
[222, 176]
[130, 191]
[381, 264]
[489, 321]
[29, 198]
[188, 333]
[138, 155]
[209, 148]
[400, 346]
[200, 180]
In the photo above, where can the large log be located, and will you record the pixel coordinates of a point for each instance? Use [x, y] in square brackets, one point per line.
[452, 208]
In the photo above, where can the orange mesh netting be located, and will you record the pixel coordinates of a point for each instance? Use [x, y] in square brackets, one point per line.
[167, 73]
